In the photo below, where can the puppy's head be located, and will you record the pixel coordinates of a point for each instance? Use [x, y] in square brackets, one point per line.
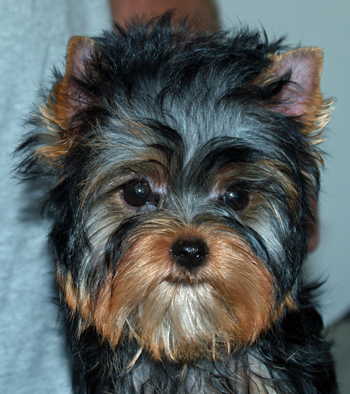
[184, 168]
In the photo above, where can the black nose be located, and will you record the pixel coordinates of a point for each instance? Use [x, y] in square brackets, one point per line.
[189, 254]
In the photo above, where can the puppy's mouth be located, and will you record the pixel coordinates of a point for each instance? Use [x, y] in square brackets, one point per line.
[178, 288]
[181, 288]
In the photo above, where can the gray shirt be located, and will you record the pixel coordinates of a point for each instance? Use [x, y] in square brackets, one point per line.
[33, 38]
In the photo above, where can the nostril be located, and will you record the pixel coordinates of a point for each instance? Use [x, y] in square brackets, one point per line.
[189, 253]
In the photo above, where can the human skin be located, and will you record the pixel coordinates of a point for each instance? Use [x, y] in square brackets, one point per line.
[204, 10]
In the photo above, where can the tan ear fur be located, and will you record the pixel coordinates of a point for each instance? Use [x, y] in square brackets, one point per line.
[69, 96]
[301, 96]
[65, 100]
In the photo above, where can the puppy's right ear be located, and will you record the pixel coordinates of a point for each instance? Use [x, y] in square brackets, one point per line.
[72, 94]
[62, 115]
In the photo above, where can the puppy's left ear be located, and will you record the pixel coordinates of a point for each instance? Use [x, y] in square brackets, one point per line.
[291, 86]
[295, 77]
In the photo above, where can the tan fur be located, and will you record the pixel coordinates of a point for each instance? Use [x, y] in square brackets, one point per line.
[57, 144]
[287, 305]
[176, 314]
[78, 301]
[64, 102]
[183, 315]
[317, 111]
[261, 171]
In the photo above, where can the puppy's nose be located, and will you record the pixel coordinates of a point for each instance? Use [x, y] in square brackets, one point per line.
[188, 253]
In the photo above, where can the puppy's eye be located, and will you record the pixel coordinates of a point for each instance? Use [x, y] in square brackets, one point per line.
[137, 193]
[236, 198]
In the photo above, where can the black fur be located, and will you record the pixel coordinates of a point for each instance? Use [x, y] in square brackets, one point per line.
[295, 358]
[193, 95]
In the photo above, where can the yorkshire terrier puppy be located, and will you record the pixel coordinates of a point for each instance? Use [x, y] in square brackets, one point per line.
[183, 170]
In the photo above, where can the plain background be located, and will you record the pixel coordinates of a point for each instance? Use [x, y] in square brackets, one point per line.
[324, 24]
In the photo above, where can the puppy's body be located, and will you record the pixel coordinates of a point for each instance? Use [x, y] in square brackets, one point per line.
[184, 170]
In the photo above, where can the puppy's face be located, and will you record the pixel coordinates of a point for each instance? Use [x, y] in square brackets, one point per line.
[183, 244]
[184, 178]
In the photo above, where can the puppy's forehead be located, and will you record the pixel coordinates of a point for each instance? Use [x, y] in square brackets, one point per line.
[190, 132]
[192, 136]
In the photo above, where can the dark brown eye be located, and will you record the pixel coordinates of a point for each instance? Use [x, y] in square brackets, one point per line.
[137, 193]
[236, 198]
